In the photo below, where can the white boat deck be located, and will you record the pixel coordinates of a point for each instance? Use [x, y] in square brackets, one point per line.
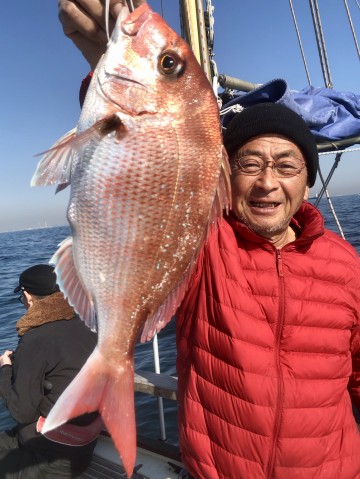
[155, 459]
[106, 463]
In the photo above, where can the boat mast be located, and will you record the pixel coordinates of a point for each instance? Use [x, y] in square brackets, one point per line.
[193, 30]
[300, 42]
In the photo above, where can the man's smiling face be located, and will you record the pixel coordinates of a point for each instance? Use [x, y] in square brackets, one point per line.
[265, 202]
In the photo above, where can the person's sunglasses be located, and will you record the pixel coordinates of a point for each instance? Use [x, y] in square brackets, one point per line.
[22, 298]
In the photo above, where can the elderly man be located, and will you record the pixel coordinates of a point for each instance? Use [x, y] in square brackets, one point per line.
[268, 333]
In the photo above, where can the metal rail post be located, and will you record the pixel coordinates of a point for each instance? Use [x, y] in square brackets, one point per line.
[159, 399]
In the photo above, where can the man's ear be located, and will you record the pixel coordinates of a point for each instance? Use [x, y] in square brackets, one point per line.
[29, 298]
[306, 194]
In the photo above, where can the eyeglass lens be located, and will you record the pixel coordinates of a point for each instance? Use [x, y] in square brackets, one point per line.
[283, 167]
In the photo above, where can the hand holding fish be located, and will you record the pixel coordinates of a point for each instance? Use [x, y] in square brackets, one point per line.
[84, 23]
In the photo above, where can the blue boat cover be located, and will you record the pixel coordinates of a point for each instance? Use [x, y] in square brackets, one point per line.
[331, 115]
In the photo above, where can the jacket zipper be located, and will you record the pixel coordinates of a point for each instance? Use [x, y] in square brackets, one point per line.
[280, 393]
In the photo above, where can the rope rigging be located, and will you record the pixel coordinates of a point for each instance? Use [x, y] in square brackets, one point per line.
[299, 40]
[320, 43]
[352, 27]
[324, 190]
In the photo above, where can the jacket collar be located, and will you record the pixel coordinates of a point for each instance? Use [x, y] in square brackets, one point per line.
[46, 310]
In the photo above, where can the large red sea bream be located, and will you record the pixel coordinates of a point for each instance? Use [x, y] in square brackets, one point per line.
[148, 177]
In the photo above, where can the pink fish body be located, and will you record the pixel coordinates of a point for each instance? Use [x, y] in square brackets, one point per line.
[148, 176]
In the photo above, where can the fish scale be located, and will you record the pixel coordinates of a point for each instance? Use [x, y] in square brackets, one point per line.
[148, 177]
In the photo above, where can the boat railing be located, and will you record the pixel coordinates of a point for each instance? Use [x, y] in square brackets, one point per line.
[336, 146]
[156, 384]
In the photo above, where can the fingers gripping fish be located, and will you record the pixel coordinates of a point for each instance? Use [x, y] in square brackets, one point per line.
[148, 177]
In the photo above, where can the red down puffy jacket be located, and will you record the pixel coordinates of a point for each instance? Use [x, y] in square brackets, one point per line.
[268, 351]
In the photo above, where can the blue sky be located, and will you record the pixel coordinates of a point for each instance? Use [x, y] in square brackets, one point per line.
[41, 73]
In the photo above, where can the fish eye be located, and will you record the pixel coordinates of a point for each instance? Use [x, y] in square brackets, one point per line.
[169, 63]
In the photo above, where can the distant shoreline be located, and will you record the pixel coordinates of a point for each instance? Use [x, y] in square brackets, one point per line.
[34, 228]
[45, 226]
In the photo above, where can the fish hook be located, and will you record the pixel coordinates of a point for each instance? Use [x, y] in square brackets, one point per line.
[107, 15]
[130, 5]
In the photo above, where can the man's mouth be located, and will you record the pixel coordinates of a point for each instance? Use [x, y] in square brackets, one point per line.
[258, 204]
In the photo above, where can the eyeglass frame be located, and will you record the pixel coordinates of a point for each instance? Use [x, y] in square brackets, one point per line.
[22, 297]
[236, 161]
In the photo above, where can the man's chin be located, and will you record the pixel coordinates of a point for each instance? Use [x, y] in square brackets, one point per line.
[265, 230]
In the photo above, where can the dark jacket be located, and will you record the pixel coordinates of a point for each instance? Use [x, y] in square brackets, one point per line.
[46, 360]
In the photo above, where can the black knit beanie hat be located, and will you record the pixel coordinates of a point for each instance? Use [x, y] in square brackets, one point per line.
[273, 118]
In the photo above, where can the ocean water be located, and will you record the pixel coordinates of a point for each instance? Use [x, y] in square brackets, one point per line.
[347, 209]
[22, 249]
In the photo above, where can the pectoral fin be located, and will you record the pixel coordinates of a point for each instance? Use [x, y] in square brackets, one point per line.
[55, 166]
[71, 285]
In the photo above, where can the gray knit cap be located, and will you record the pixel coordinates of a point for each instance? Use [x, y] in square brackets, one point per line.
[273, 118]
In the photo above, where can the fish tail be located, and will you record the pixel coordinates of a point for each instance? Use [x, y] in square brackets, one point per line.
[109, 390]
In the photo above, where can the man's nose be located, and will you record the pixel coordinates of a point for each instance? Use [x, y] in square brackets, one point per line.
[267, 178]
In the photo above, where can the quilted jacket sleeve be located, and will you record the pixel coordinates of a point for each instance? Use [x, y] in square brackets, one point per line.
[354, 383]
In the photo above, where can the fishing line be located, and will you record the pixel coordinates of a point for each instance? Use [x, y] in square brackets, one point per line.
[130, 5]
[107, 15]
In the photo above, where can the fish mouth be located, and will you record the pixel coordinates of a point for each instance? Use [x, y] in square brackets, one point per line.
[124, 80]
[121, 76]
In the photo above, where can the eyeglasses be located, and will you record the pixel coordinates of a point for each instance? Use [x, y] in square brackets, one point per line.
[253, 165]
[22, 298]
